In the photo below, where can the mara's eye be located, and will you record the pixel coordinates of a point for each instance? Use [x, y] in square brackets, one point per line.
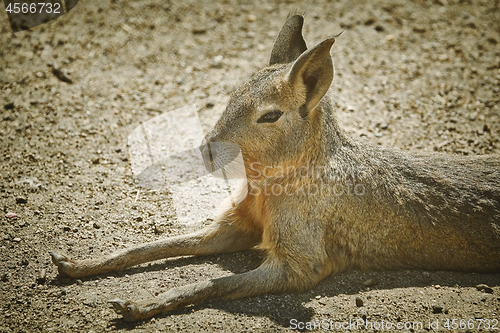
[270, 117]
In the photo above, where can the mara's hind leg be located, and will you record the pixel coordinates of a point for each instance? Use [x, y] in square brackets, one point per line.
[270, 277]
[221, 237]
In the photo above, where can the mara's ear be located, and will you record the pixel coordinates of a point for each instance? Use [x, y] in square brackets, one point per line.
[312, 73]
[289, 44]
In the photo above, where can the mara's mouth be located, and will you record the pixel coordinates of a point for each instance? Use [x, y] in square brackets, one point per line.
[223, 159]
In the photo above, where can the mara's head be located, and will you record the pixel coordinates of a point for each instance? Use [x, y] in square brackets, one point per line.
[276, 116]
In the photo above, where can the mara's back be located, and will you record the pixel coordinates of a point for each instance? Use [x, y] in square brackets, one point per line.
[407, 210]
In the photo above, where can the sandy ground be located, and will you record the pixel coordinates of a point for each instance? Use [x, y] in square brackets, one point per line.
[419, 75]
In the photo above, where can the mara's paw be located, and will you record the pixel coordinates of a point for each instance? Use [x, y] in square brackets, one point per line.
[65, 266]
[129, 310]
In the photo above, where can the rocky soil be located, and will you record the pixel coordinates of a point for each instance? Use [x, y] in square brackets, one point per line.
[420, 75]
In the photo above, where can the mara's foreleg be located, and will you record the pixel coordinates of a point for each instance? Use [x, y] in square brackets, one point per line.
[220, 237]
[296, 260]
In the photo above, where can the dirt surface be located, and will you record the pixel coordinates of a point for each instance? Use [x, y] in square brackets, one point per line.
[419, 75]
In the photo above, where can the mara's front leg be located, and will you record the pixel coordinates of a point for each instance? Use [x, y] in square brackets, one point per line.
[296, 260]
[221, 237]
[270, 277]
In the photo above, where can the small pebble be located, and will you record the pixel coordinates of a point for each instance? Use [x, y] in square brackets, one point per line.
[158, 230]
[16, 240]
[199, 31]
[11, 215]
[359, 302]
[60, 73]
[21, 200]
[485, 288]
[217, 62]
[42, 276]
[370, 21]
[419, 29]
[251, 18]
[437, 309]
[126, 28]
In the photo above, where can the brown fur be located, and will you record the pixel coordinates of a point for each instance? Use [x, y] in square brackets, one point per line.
[354, 207]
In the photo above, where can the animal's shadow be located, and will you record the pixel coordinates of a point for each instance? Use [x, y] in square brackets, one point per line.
[284, 307]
